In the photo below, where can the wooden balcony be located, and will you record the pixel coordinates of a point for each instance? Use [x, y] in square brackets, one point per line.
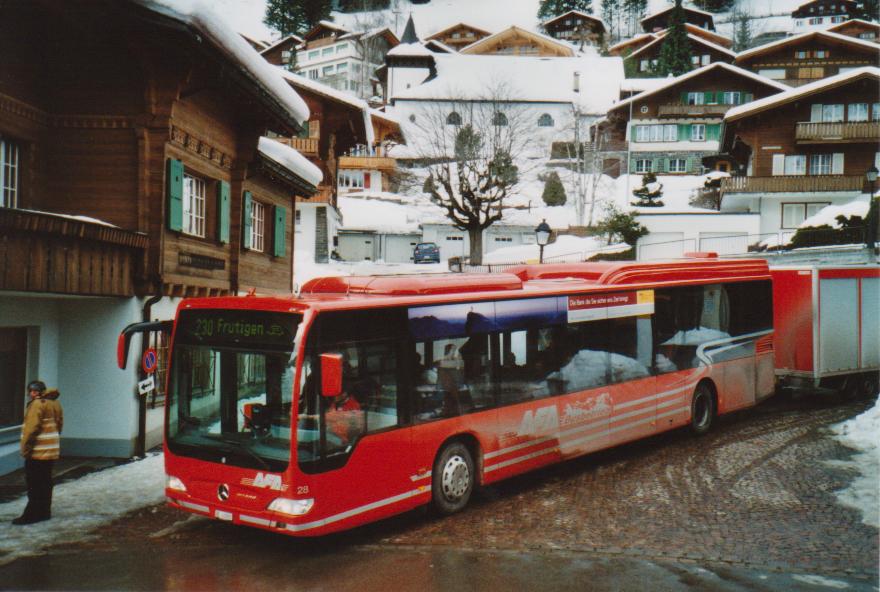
[693, 110]
[43, 252]
[305, 146]
[793, 183]
[816, 132]
[369, 163]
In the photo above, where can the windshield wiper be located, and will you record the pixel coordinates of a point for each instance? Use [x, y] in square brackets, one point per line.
[238, 446]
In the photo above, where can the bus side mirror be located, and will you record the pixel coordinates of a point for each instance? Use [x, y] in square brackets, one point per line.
[331, 375]
[124, 341]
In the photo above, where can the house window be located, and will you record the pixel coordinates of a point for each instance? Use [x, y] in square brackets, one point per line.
[698, 132]
[838, 19]
[313, 55]
[875, 112]
[857, 112]
[656, 133]
[341, 48]
[313, 74]
[326, 51]
[696, 98]
[773, 73]
[455, 238]
[820, 54]
[793, 214]
[868, 35]
[731, 98]
[351, 179]
[820, 164]
[258, 230]
[816, 21]
[832, 113]
[503, 239]
[810, 73]
[704, 59]
[193, 206]
[545, 120]
[643, 165]
[342, 67]
[326, 70]
[297, 217]
[499, 119]
[795, 164]
[453, 118]
[801, 55]
[677, 165]
[644, 65]
[9, 173]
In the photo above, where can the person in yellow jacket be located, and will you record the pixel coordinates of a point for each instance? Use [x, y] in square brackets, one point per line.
[40, 447]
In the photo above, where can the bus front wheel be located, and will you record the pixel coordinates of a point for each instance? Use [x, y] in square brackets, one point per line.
[453, 478]
[702, 409]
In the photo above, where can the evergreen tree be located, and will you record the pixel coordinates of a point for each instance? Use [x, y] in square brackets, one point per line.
[554, 192]
[714, 5]
[675, 51]
[554, 8]
[868, 10]
[634, 10]
[611, 15]
[649, 193]
[621, 226]
[742, 36]
[295, 16]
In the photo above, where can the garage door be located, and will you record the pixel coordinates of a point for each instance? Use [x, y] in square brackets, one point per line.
[399, 249]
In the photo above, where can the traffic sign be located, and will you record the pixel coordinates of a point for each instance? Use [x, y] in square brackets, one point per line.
[150, 361]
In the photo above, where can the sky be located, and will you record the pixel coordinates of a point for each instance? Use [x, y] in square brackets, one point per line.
[84, 504]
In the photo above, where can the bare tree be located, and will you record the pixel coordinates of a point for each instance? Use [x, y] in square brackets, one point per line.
[471, 151]
[586, 153]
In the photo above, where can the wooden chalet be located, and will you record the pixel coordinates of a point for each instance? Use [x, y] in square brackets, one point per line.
[671, 127]
[659, 20]
[459, 36]
[283, 51]
[703, 52]
[520, 42]
[807, 57]
[628, 46]
[804, 148]
[577, 27]
[350, 156]
[707, 35]
[131, 174]
[857, 28]
[822, 13]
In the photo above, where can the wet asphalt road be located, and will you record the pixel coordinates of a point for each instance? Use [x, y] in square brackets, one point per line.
[750, 506]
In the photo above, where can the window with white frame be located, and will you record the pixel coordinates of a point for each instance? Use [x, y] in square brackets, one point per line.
[193, 206]
[297, 217]
[546, 120]
[795, 213]
[351, 179]
[313, 55]
[656, 133]
[731, 98]
[832, 112]
[326, 70]
[643, 165]
[820, 164]
[705, 59]
[256, 241]
[341, 47]
[313, 74]
[677, 165]
[795, 164]
[9, 173]
[698, 132]
[342, 67]
[696, 98]
[326, 51]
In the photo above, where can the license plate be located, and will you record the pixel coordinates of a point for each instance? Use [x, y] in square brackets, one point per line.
[221, 515]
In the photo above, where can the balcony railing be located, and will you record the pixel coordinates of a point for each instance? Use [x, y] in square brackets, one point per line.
[701, 110]
[793, 183]
[839, 131]
[381, 163]
[305, 146]
[45, 252]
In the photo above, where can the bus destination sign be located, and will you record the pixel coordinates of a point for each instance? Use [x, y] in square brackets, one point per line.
[237, 328]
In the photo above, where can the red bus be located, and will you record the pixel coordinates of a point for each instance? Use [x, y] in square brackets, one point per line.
[365, 397]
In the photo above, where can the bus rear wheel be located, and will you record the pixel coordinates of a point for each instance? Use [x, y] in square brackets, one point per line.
[453, 478]
[702, 409]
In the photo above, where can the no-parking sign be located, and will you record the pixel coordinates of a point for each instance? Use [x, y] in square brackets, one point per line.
[150, 361]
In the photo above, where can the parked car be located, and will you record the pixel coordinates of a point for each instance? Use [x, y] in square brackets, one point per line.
[426, 253]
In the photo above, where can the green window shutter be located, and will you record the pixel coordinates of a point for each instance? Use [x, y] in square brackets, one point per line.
[712, 131]
[684, 132]
[246, 213]
[223, 211]
[684, 98]
[174, 183]
[709, 97]
[279, 232]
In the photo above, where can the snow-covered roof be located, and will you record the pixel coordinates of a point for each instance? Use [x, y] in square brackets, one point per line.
[633, 39]
[525, 79]
[801, 91]
[194, 13]
[671, 6]
[296, 38]
[828, 35]
[456, 26]
[440, 45]
[514, 30]
[410, 50]
[290, 159]
[322, 89]
[851, 22]
[692, 39]
[671, 82]
[643, 84]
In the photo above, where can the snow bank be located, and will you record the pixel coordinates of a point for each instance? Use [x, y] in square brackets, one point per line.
[861, 433]
[82, 505]
[828, 215]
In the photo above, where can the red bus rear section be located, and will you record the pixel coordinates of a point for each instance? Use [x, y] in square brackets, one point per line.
[448, 382]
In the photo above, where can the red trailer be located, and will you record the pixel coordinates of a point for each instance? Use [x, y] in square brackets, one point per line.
[827, 326]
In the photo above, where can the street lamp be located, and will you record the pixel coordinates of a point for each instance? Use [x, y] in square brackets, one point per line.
[542, 234]
[871, 220]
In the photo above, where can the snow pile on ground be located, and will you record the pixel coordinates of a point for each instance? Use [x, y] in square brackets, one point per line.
[861, 433]
[82, 505]
[387, 212]
[828, 215]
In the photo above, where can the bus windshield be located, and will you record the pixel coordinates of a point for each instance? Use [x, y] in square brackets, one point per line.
[231, 387]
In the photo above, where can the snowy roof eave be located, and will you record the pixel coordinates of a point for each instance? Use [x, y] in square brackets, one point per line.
[671, 6]
[699, 71]
[235, 48]
[578, 13]
[691, 38]
[291, 160]
[796, 38]
[800, 91]
[513, 28]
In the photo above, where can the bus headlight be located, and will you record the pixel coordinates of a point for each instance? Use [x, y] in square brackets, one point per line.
[291, 507]
[172, 482]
